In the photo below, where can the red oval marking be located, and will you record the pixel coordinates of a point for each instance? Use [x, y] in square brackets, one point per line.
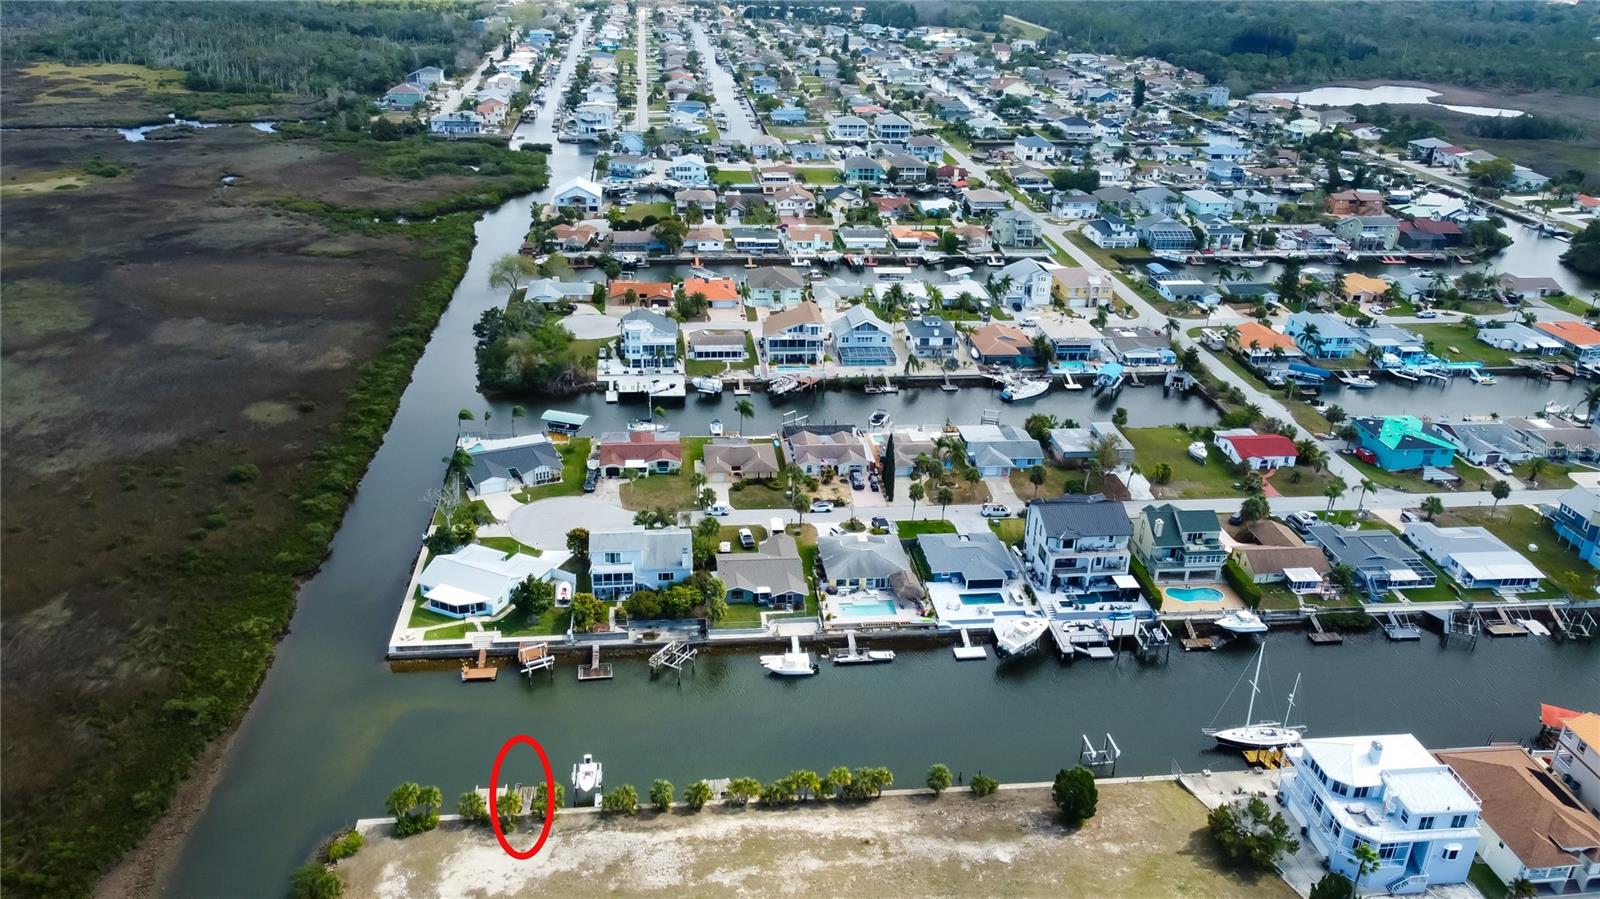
[549, 797]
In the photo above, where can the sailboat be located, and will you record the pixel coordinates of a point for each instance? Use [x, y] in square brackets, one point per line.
[1259, 734]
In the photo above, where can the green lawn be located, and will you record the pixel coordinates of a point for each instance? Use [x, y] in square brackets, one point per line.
[818, 174]
[1009, 530]
[1472, 477]
[1570, 304]
[1553, 476]
[574, 456]
[669, 491]
[767, 494]
[741, 614]
[1442, 336]
[1190, 479]
[1060, 255]
[730, 535]
[1488, 883]
[735, 176]
[510, 546]
[1520, 526]
[555, 621]
[581, 353]
[1310, 482]
[1058, 479]
[912, 529]
[638, 212]
[1103, 256]
[421, 617]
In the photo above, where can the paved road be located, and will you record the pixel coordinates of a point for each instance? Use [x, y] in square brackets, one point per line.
[742, 125]
[641, 112]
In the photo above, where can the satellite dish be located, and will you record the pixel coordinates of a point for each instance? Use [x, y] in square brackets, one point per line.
[1533, 547]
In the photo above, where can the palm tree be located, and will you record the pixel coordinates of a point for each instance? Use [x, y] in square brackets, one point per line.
[1036, 478]
[916, 492]
[1333, 491]
[516, 413]
[1536, 466]
[913, 363]
[745, 410]
[1366, 486]
[1432, 506]
[1500, 490]
[1366, 860]
[945, 496]
[463, 415]
[1591, 397]
[487, 414]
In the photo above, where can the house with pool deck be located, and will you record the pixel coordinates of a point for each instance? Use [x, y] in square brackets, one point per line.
[1179, 545]
[1078, 545]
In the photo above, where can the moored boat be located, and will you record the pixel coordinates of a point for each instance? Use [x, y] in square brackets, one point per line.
[1242, 621]
[712, 385]
[1019, 635]
[1259, 734]
[1025, 389]
[645, 424]
[587, 775]
[716, 427]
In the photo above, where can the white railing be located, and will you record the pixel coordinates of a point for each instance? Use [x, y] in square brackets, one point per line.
[1407, 884]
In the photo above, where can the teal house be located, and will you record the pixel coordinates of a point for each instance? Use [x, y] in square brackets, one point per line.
[1398, 443]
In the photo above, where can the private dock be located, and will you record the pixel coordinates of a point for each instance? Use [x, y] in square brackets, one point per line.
[1399, 627]
[674, 655]
[1091, 639]
[1320, 637]
[536, 657]
[595, 670]
[1150, 639]
[1194, 642]
[482, 671]
[850, 655]
[1572, 627]
[966, 652]
[1500, 624]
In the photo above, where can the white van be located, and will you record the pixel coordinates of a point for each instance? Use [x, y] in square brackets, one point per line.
[995, 510]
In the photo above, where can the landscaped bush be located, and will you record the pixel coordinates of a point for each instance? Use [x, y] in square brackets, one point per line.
[1241, 583]
[983, 784]
[314, 881]
[698, 794]
[345, 846]
[939, 778]
[623, 800]
[1151, 592]
[661, 793]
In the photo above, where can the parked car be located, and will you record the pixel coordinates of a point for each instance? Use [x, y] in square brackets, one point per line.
[591, 480]
[995, 510]
[1503, 467]
[821, 505]
[747, 539]
[882, 523]
[858, 480]
[1366, 455]
[1236, 518]
[1301, 521]
[1427, 313]
[718, 510]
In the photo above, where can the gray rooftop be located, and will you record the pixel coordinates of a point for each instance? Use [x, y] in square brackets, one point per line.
[979, 556]
[853, 556]
[1074, 515]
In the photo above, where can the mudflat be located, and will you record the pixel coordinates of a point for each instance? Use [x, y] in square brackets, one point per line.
[1147, 839]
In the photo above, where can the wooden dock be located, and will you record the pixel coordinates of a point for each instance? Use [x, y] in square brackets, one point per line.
[1397, 627]
[482, 671]
[1499, 624]
[1320, 637]
[595, 670]
[1194, 642]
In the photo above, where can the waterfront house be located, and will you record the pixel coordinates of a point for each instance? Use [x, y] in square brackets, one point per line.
[1110, 232]
[1532, 827]
[1323, 336]
[716, 345]
[1577, 757]
[757, 239]
[863, 237]
[1141, 348]
[476, 581]
[1258, 452]
[1079, 445]
[1278, 555]
[775, 287]
[1252, 293]
[861, 338]
[811, 238]
[1355, 202]
[1557, 438]
[694, 196]
[1526, 287]
[1074, 339]
[1015, 228]
[1000, 343]
[1160, 232]
[773, 576]
[1386, 342]
[1029, 179]
[997, 450]
[848, 128]
[549, 291]
[729, 459]
[1483, 442]
[1576, 519]
[819, 448]
[1387, 793]
[1026, 282]
[908, 445]
[649, 341]
[1476, 558]
[1264, 348]
[979, 200]
[622, 562]
[646, 293]
[794, 336]
[719, 293]
[1369, 232]
[1179, 545]
[1032, 148]
[1206, 202]
[690, 170]
[1519, 338]
[862, 170]
[456, 124]
[931, 337]
[1253, 202]
[638, 241]
[507, 464]
[1380, 560]
[863, 561]
[1078, 544]
[926, 148]
[890, 127]
[1429, 234]
[977, 561]
[580, 192]
[1581, 341]
[1401, 443]
[1074, 204]
[639, 452]
[1158, 200]
[628, 167]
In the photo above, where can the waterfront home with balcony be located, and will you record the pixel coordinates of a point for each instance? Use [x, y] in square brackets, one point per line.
[931, 337]
[794, 336]
[1323, 336]
[1001, 343]
[775, 287]
[1576, 519]
[1380, 560]
[649, 341]
[622, 562]
[861, 338]
[1476, 558]
[1264, 348]
[1402, 443]
[1179, 545]
[772, 576]
[1577, 757]
[1078, 545]
[1387, 793]
[1581, 341]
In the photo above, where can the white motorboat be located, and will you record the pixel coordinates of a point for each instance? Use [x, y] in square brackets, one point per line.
[645, 424]
[1480, 377]
[1198, 451]
[1259, 734]
[1252, 263]
[878, 420]
[1242, 621]
[1020, 635]
[1358, 382]
[1025, 389]
[712, 386]
[793, 663]
[783, 385]
[587, 775]
[716, 427]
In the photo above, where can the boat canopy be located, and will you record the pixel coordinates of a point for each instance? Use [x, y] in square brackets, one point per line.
[564, 421]
[1310, 371]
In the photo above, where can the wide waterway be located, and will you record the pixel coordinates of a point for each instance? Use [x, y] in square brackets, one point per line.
[335, 728]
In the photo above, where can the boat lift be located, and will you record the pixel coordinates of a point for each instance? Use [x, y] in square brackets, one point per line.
[673, 656]
[1104, 757]
[536, 657]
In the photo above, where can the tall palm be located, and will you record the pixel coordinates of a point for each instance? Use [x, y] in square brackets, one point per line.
[916, 492]
[745, 410]
[1367, 486]
[487, 414]
[463, 415]
[1536, 467]
[516, 413]
[1333, 491]
[913, 363]
[1591, 398]
[945, 497]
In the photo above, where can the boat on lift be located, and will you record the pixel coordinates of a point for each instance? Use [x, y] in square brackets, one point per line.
[1357, 381]
[1242, 621]
[793, 663]
[1480, 377]
[716, 427]
[711, 386]
[1259, 734]
[878, 420]
[1020, 635]
[1252, 263]
[1024, 389]
[646, 424]
[783, 385]
[587, 775]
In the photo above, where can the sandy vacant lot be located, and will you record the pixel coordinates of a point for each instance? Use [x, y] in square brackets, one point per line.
[1147, 840]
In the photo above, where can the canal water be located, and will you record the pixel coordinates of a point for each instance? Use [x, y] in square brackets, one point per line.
[334, 727]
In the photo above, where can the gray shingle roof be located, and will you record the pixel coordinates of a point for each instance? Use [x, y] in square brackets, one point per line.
[979, 556]
[852, 556]
[1073, 516]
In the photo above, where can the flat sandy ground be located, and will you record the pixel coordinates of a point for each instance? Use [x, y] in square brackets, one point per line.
[1147, 840]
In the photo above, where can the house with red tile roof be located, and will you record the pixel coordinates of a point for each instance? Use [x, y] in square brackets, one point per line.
[1261, 452]
[645, 452]
[1580, 340]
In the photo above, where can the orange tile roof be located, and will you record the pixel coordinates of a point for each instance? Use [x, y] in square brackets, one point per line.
[1575, 333]
[643, 289]
[1264, 337]
[713, 288]
[1586, 726]
[1357, 283]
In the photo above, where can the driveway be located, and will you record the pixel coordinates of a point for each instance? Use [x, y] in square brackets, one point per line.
[588, 323]
[545, 523]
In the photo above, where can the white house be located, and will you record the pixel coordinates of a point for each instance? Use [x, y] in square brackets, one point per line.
[890, 127]
[1032, 148]
[1259, 452]
[505, 464]
[649, 341]
[848, 127]
[476, 581]
[1386, 792]
[582, 193]
[593, 119]
[1078, 544]
[622, 562]
[690, 170]
[455, 124]
[1476, 558]
[1029, 284]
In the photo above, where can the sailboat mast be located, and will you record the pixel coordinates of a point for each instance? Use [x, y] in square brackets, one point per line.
[1288, 713]
[1250, 712]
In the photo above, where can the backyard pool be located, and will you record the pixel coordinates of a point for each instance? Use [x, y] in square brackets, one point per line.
[1195, 594]
[883, 608]
[982, 599]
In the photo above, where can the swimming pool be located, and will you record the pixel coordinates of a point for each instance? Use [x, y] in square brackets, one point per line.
[883, 608]
[1195, 594]
[982, 599]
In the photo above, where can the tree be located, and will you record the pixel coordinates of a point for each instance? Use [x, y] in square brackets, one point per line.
[1255, 508]
[806, 784]
[1333, 886]
[1138, 92]
[983, 784]
[1075, 795]
[1036, 477]
[1432, 506]
[511, 271]
[916, 492]
[671, 233]
[746, 411]
[1499, 490]
[541, 798]
[414, 808]
[507, 806]
[839, 778]
[471, 807]
[1584, 253]
[516, 413]
[1119, 417]
[1492, 172]
[463, 415]
[939, 778]
[533, 597]
[1536, 467]
[698, 794]
[578, 543]
[741, 790]
[1162, 474]
[623, 800]
[313, 880]
[1366, 861]
[1521, 888]
[945, 497]
[588, 613]
[661, 793]
[1039, 425]
[1249, 834]
[1333, 491]
[1367, 485]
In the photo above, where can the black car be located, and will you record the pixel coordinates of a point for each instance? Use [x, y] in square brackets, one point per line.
[590, 480]
[881, 523]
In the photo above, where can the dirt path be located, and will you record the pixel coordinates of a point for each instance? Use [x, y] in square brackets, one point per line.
[1147, 840]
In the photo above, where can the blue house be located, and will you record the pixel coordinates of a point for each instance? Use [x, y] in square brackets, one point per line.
[861, 338]
[1400, 443]
[695, 108]
[764, 85]
[631, 142]
[1576, 519]
[1323, 336]
[788, 115]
